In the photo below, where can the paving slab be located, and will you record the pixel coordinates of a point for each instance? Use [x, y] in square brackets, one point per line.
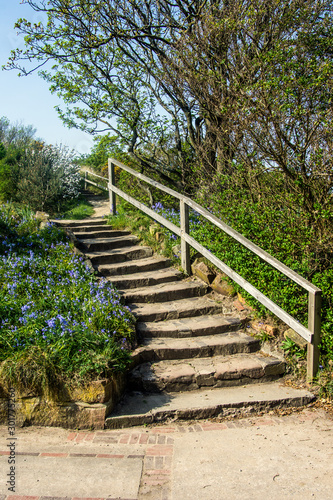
[289, 462]
[103, 478]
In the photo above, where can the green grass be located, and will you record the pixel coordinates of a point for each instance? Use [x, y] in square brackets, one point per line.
[78, 209]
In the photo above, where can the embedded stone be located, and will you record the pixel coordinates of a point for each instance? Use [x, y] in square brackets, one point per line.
[295, 337]
[203, 272]
[223, 287]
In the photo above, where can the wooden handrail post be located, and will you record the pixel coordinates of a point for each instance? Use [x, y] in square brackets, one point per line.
[85, 179]
[185, 227]
[112, 182]
[314, 325]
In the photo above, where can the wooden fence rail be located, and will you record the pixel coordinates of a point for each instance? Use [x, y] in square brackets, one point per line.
[311, 334]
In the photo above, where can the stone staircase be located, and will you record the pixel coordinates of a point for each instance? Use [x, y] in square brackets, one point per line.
[196, 358]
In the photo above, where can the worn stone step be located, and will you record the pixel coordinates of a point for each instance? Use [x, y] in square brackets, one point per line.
[139, 409]
[119, 255]
[166, 292]
[222, 344]
[102, 232]
[81, 223]
[131, 281]
[100, 244]
[189, 327]
[196, 373]
[183, 308]
[134, 266]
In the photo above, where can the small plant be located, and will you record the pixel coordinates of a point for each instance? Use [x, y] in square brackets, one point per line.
[264, 336]
[292, 349]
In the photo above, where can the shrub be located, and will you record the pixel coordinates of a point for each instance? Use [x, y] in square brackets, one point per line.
[47, 177]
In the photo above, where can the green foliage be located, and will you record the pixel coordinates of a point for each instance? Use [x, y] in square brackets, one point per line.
[2, 151]
[292, 349]
[77, 209]
[58, 323]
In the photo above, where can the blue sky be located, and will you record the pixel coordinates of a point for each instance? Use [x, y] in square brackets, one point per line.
[27, 99]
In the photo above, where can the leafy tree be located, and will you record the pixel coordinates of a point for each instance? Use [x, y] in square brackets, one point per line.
[234, 81]
[16, 135]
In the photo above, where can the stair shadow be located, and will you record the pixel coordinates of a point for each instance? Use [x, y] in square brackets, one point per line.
[137, 402]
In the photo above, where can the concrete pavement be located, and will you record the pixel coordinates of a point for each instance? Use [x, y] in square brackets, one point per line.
[276, 456]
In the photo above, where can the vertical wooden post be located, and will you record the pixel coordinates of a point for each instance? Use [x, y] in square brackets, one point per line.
[185, 227]
[112, 182]
[85, 179]
[314, 325]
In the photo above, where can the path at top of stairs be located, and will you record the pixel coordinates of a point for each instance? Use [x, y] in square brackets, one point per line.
[196, 357]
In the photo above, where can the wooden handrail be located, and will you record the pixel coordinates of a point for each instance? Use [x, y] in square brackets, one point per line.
[311, 334]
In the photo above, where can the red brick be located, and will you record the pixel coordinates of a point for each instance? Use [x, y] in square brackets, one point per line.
[161, 439]
[238, 305]
[71, 436]
[143, 439]
[124, 438]
[214, 427]
[160, 450]
[164, 430]
[4, 452]
[152, 439]
[54, 454]
[90, 436]
[134, 438]
[81, 436]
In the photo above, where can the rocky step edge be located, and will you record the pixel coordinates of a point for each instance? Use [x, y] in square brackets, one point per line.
[149, 278]
[110, 243]
[134, 266]
[195, 373]
[137, 408]
[222, 344]
[166, 292]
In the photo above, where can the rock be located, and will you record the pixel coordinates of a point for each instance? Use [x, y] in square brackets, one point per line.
[177, 250]
[264, 327]
[203, 272]
[295, 337]
[223, 287]
[43, 216]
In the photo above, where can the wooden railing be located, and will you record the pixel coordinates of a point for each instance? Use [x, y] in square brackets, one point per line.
[311, 334]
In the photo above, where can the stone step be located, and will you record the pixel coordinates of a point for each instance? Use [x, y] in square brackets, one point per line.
[100, 244]
[131, 281]
[222, 344]
[134, 266]
[139, 409]
[166, 292]
[81, 223]
[196, 373]
[102, 232]
[119, 255]
[188, 327]
[183, 308]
